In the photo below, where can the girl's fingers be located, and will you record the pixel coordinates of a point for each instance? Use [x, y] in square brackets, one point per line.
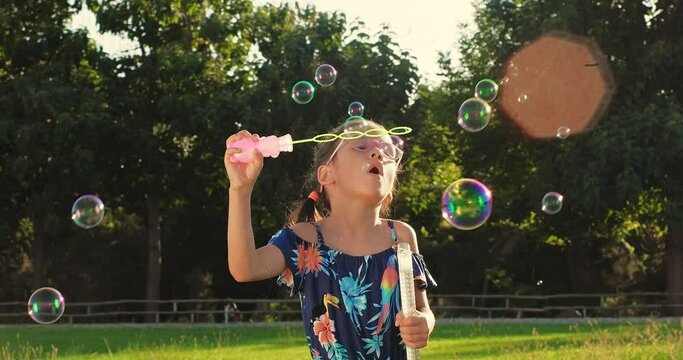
[241, 134]
[411, 321]
[258, 158]
[411, 330]
[415, 341]
[399, 318]
[231, 151]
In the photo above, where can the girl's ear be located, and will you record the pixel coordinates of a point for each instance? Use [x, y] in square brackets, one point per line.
[325, 175]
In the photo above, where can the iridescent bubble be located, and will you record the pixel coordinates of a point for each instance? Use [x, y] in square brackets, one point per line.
[325, 75]
[539, 282]
[87, 211]
[552, 203]
[356, 109]
[46, 305]
[522, 98]
[355, 123]
[466, 204]
[303, 92]
[474, 114]
[397, 140]
[563, 132]
[486, 90]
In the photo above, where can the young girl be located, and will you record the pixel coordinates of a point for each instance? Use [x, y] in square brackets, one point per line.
[343, 266]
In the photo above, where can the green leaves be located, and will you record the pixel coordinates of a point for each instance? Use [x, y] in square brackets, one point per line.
[154, 121]
[633, 148]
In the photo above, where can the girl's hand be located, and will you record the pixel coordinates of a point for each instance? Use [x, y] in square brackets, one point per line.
[242, 175]
[414, 330]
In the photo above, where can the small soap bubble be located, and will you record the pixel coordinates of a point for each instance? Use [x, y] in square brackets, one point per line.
[474, 114]
[356, 109]
[325, 75]
[46, 305]
[303, 92]
[552, 203]
[486, 90]
[87, 211]
[563, 132]
[397, 140]
[355, 123]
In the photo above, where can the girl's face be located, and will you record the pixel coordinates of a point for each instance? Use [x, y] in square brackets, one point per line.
[366, 166]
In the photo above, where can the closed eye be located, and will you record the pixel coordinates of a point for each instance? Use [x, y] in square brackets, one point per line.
[364, 146]
[388, 149]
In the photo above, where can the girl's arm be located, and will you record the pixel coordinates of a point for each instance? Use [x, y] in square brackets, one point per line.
[245, 262]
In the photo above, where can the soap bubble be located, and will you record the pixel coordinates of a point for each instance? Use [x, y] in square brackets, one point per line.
[474, 114]
[355, 123]
[87, 211]
[356, 109]
[46, 305]
[397, 140]
[325, 75]
[466, 204]
[303, 92]
[563, 132]
[552, 203]
[486, 90]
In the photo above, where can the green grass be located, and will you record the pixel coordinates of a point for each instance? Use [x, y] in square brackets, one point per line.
[650, 340]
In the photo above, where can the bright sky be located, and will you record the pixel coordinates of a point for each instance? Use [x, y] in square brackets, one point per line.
[423, 28]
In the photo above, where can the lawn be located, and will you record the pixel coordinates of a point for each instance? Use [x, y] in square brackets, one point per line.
[586, 340]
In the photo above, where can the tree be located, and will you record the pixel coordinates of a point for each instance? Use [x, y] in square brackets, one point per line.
[630, 153]
[163, 97]
[52, 102]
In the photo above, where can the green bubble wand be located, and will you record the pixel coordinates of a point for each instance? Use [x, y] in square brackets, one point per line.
[271, 146]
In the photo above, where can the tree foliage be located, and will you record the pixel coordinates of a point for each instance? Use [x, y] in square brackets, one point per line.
[145, 130]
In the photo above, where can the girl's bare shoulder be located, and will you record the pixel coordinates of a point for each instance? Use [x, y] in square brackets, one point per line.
[305, 231]
[406, 233]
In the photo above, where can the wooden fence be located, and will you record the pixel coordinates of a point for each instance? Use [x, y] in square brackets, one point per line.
[640, 304]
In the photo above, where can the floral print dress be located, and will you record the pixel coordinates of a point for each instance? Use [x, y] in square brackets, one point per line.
[348, 303]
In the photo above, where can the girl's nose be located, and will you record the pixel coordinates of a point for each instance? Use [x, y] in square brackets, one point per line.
[376, 153]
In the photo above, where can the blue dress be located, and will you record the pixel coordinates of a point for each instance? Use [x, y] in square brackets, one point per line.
[348, 303]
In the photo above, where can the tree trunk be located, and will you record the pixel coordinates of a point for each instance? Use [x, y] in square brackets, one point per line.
[578, 259]
[153, 256]
[38, 254]
[674, 267]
